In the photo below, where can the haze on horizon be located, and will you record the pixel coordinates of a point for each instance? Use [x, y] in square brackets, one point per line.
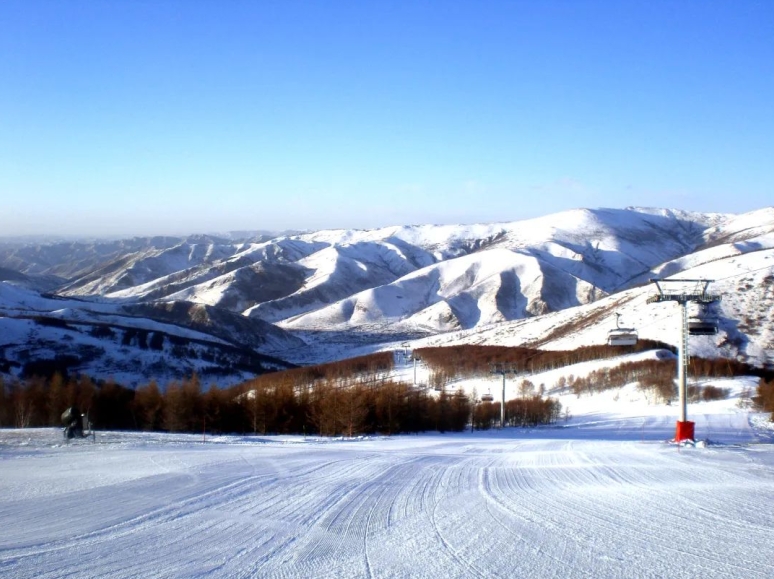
[149, 118]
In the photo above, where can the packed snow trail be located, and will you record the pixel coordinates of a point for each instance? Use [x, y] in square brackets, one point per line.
[604, 498]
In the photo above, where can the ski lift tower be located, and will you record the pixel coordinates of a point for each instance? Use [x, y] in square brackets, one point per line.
[502, 369]
[683, 295]
[406, 346]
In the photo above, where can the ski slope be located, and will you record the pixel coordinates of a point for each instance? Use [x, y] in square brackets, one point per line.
[603, 495]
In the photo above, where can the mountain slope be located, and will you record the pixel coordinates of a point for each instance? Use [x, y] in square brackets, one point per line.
[40, 335]
[746, 315]
[340, 291]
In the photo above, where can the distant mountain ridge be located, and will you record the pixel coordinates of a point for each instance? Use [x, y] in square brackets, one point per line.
[318, 295]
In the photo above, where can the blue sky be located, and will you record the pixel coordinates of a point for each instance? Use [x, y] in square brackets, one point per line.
[148, 117]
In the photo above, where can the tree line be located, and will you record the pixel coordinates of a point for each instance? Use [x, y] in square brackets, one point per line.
[468, 361]
[658, 378]
[326, 407]
[764, 396]
[529, 411]
[348, 397]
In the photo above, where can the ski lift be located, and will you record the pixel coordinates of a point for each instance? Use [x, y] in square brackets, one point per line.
[487, 397]
[702, 321]
[621, 336]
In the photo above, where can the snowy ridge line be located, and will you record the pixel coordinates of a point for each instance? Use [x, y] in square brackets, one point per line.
[167, 329]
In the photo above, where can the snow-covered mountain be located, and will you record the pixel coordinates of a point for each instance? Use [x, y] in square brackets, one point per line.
[552, 281]
[132, 344]
[738, 257]
[286, 277]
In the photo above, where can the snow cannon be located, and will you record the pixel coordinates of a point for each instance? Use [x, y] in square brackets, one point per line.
[72, 420]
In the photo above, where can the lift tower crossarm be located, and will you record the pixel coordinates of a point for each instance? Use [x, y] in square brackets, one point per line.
[699, 295]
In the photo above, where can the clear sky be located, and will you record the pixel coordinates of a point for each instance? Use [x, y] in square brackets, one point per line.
[148, 117]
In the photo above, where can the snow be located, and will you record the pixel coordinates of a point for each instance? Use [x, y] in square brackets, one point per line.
[601, 495]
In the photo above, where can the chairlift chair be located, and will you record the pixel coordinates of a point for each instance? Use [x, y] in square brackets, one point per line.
[703, 322]
[704, 327]
[487, 397]
[621, 336]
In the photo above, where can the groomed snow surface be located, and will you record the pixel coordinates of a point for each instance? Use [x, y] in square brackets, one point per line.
[601, 495]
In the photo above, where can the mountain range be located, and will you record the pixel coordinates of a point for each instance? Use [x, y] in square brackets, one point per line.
[261, 302]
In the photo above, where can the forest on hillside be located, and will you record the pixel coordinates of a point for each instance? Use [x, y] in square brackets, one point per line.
[351, 397]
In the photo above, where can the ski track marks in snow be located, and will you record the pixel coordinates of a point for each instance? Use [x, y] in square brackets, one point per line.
[512, 504]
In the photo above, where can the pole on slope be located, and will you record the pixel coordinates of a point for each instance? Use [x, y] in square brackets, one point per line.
[682, 363]
[502, 406]
[684, 429]
[502, 371]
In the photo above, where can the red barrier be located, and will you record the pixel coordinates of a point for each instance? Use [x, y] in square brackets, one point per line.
[684, 431]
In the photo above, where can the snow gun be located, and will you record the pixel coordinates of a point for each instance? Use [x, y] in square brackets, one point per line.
[76, 424]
